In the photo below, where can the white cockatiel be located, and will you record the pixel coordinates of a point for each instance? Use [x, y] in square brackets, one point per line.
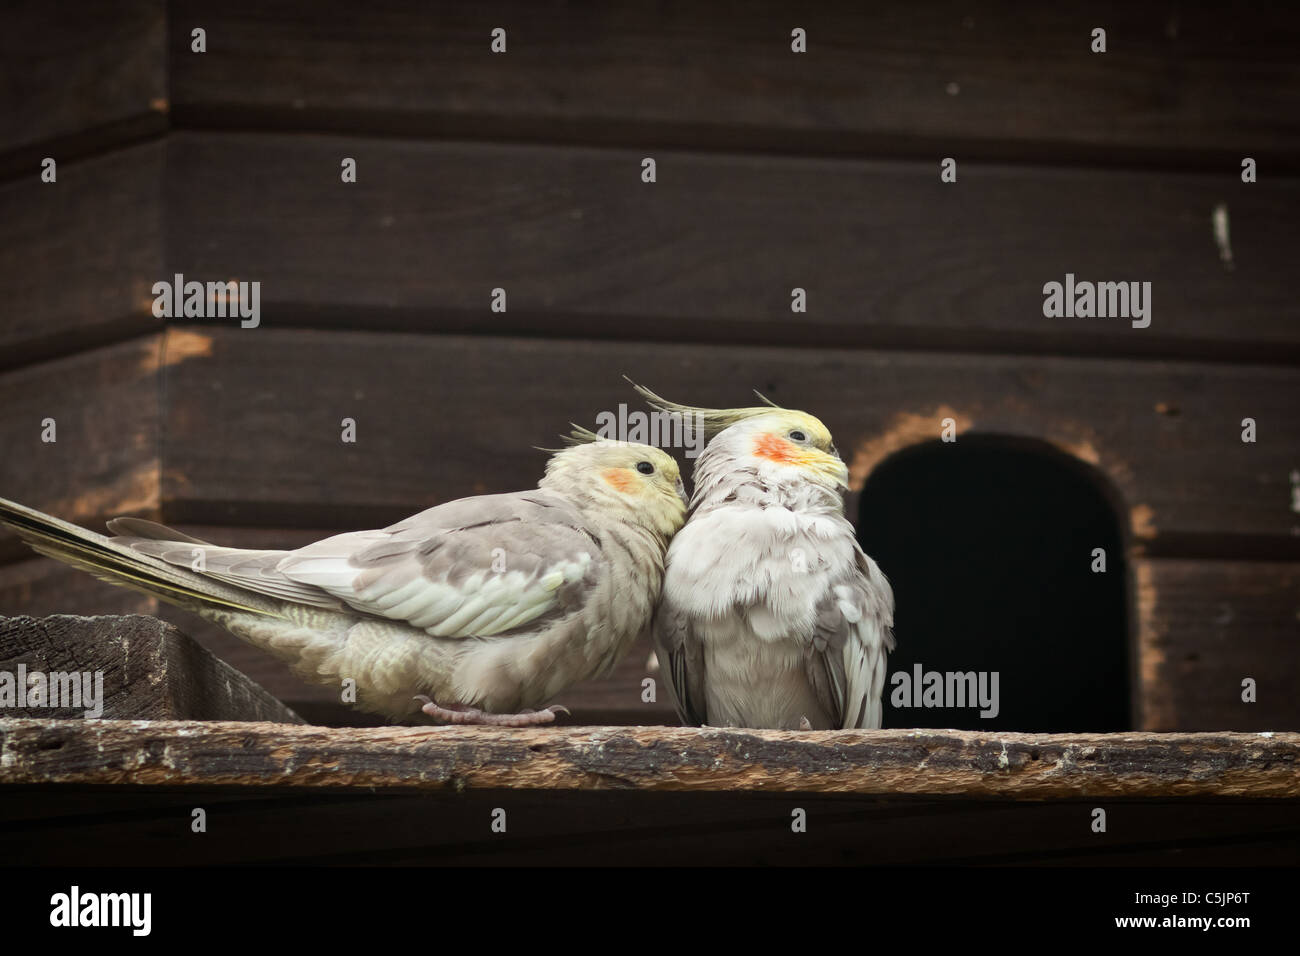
[771, 615]
[483, 608]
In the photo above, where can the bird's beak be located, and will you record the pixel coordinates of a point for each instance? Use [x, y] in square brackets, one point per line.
[827, 463]
[681, 493]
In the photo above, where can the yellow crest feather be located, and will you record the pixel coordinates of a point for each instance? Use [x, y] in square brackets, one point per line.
[714, 420]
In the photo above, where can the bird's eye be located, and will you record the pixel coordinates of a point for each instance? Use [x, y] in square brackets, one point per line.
[797, 435]
[645, 467]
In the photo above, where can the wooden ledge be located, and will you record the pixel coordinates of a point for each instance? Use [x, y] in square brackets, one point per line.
[883, 762]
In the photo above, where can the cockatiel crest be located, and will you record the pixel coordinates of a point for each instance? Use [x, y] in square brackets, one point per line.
[771, 615]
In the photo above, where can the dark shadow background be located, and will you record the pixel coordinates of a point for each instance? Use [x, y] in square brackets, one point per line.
[988, 544]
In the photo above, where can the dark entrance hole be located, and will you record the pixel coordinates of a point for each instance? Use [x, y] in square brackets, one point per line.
[988, 543]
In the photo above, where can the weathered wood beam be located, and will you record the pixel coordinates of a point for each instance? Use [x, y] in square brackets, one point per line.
[80, 435]
[252, 421]
[122, 667]
[884, 762]
[711, 251]
[1180, 84]
[81, 255]
[1203, 626]
[79, 76]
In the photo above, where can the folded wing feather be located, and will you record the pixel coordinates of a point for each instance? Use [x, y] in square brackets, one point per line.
[475, 567]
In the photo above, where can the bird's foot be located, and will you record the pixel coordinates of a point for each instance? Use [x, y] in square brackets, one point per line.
[461, 714]
[805, 723]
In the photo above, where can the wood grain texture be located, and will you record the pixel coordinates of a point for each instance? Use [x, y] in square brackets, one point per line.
[888, 255]
[253, 430]
[105, 461]
[1204, 626]
[78, 76]
[1180, 82]
[81, 254]
[920, 763]
[149, 670]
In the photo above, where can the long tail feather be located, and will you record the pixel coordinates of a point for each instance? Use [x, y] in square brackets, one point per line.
[106, 559]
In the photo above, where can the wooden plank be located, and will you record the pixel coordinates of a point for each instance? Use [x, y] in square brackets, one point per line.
[894, 77]
[82, 254]
[1205, 627]
[105, 459]
[79, 75]
[253, 431]
[887, 254]
[919, 763]
[125, 668]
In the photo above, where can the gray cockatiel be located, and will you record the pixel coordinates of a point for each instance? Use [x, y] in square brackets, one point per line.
[484, 608]
[771, 615]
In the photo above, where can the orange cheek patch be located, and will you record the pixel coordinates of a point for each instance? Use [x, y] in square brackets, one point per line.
[620, 479]
[775, 448]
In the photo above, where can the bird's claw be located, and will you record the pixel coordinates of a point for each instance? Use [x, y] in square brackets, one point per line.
[462, 714]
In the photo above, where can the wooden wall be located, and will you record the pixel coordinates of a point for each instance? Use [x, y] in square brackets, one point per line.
[775, 170]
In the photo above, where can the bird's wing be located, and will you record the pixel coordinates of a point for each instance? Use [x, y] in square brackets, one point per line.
[475, 567]
[845, 658]
[681, 663]
[246, 568]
